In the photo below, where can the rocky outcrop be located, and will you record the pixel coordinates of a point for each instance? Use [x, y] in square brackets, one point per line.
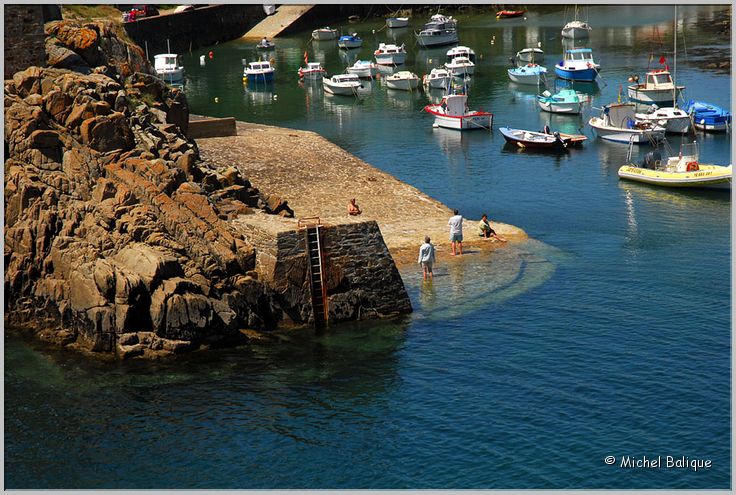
[96, 47]
[115, 234]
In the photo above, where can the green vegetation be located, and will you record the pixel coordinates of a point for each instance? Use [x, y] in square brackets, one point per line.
[87, 12]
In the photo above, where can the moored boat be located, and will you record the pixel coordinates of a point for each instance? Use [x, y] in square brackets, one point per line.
[460, 51]
[390, 54]
[436, 37]
[530, 55]
[261, 71]
[527, 74]
[453, 113]
[673, 119]
[505, 14]
[350, 41]
[313, 70]
[402, 80]
[708, 117]
[438, 78]
[578, 65]
[363, 68]
[658, 89]
[397, 22]
[618, 123]
[264, 44]
[168, 67]
[342, 84]
[325, 33]
[576, 30]
[531, 139]
[564, 101]
[681, 170]
[460, 67]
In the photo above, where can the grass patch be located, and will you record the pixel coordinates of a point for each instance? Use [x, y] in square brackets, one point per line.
[87, 12]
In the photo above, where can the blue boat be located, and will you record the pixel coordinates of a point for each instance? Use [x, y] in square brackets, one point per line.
[350, 41]
[578, 65]
[707, 117]
[261, 71]
[527, 74]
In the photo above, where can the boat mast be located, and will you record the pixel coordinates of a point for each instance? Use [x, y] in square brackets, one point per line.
[674, 79]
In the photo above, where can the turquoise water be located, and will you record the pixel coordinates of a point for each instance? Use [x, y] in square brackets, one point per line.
[612, 339]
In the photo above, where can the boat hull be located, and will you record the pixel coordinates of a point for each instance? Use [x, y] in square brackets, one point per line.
[443, 39]
[526, 79]
[349, 44]
[570, 108]
[659, 97]
[324, 35]
[340, 90]
[462, 71]
[619, 135]
[362, 72]
[672, 125]
[391, 59]
[171, 75]
[575, 33]
[311, 75]
[708, 176]
[587, 75]
[516, 137]
[397, 22]
[472, 121]
[260, 77]
[438, 82]
[403, 84]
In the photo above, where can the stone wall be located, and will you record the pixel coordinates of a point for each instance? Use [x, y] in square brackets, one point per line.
[361, 277]
[24, 38]
[195, 28]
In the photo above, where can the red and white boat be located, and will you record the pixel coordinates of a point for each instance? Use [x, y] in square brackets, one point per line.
[452, 113]
[505, 14]
[313, 70]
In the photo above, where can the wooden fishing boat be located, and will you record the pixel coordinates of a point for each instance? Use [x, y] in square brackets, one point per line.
[530, 139]
[452, 113]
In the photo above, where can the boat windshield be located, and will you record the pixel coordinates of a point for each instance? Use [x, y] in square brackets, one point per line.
[660, 79]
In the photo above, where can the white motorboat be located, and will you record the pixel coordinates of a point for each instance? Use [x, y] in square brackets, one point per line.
[313, 70]
[534, 55]
[618, 123]
[438, 78]
[168, 67]
[325, 33]
[658, 89]
[566, 101]
[576, 29]
[390, 54]
[397, 22]
[363, 68]
[403, 80]
[342, 84]
[673, 119]
[460, 67]
[452, 112]
[433, 36]
[350, 41]
[460, 51]
[442, 21]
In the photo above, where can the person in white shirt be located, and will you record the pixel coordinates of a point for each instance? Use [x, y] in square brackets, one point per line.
[456, 233]
[426, 258]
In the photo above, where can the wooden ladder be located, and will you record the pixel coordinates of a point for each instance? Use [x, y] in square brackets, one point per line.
[316, 261]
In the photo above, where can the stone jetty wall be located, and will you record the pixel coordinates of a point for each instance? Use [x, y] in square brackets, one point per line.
[361, 278]
[204, 26]
[23, 37]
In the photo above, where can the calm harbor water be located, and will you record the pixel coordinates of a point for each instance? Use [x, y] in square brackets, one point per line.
[613, 339]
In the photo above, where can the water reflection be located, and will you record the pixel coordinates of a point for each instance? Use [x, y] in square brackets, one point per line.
[404, 100]
[259, 93]
[568, 124]
[398, 34]
[348, 57]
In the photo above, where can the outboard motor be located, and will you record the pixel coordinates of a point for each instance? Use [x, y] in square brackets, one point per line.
[650, 159]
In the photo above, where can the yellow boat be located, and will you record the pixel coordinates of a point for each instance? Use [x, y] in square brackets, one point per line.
[682, 170]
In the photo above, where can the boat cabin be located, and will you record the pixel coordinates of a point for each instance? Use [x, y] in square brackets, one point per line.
[579, 55]
[388, 49]
[455, 105]
[165, 61]
[313, 66]
[259, 65]
[461, 51]
[659, 79]
[345, 78]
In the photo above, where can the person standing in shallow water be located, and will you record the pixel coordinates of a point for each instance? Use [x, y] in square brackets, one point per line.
[456, 233]
[426, 258]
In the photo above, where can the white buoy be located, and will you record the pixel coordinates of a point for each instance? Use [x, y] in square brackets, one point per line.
[374, 31]
[217, 100]
[201, 60]
[275, 97]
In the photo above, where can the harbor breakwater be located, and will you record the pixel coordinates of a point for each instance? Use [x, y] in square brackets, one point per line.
[119, 239]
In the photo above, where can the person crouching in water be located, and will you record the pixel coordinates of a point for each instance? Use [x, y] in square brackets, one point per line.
[485, 230]
[426, 257]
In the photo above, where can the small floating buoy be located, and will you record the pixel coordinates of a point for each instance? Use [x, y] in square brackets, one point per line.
[211, 54]
[217, 100]
[524, 18]
[275, 97]
[201, 60]
[374, 31]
